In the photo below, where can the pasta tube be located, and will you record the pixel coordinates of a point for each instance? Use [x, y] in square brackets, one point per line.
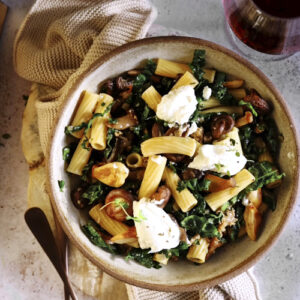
[170, 69]
[209, 75]
[197, 253]
[186, 79]
[210, 103]
[217, 199]
[85, 111]
[80, 157]
[152, 97]
[99, 129]
[237, 93]
[169, 144]
[228, 109]
[184, 199]
[161, 258]
[109, 224]
[153, 174]
[134, 160]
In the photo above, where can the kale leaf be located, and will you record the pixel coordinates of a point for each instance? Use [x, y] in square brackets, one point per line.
[206, 226]
[96, 191]
[150, 68]
[110, 140]
[86, 171]
[143, 257]
[265, 173]
[180, 250]
[70, 129]
[194, 185]
[218, 89]
[198, 63]
[247, 137]
[93, 235]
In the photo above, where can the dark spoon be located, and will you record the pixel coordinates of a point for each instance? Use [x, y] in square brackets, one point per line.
[39, 226]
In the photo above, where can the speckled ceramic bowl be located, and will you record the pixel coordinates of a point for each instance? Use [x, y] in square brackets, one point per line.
[231, 259]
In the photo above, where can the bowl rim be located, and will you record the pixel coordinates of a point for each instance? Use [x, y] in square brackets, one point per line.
[243, 266]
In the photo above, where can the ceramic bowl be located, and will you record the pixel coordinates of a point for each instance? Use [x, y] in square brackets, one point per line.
[231, 259]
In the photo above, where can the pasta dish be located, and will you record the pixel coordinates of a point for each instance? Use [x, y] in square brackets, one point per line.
[172, 161]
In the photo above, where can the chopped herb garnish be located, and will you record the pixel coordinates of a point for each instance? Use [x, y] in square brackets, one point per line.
[61, 185]
[139, 218]
[249, 106]
[219, 167]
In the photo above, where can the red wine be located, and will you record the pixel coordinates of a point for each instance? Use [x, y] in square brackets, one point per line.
[280, 8]
[269, 26]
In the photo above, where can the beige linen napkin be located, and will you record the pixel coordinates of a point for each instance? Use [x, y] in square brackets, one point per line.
[58, 40]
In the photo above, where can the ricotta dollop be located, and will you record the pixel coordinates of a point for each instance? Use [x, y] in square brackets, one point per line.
[222, 159]
[206, 92]
[178, 105]
[157, 230]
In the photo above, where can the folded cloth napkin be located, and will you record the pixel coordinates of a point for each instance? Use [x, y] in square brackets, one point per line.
[57, 41]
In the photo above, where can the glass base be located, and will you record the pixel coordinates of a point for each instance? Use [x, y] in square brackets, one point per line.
[249, 52]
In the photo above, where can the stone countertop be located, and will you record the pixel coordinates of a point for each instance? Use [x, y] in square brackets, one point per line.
[26, 272]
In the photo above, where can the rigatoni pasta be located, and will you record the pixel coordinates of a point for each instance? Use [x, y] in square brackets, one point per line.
[80, 157]
[169, 144]
[186, 79]
[153, 175]
[184, 199]
[197, 252]
[170, 69]
[112, 226]
[217, 199]
[152, 97]
[84, 113]
[99, 129]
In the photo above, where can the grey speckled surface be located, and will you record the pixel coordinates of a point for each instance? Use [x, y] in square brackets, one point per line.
[25, 271]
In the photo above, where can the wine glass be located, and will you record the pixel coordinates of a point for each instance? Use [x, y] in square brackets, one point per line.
[264, 29]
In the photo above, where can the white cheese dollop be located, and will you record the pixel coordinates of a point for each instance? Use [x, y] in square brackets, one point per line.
[206, 92]
[158, 231]
[178, 105]
[222, 159]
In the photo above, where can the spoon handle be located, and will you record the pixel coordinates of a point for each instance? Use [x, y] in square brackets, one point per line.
[39, 226]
